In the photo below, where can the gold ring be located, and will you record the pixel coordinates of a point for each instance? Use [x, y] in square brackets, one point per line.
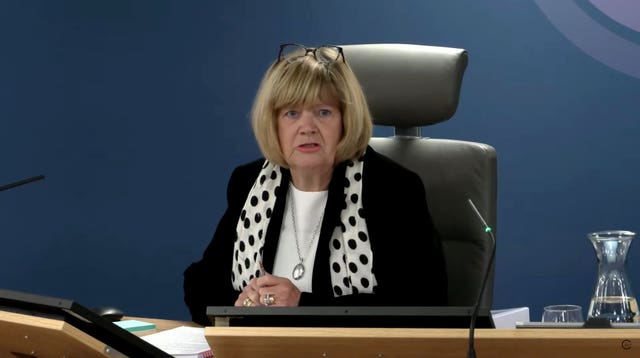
[269, 299]
[247, 302]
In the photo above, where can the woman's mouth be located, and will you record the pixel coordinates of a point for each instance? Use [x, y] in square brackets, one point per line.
[308, 147]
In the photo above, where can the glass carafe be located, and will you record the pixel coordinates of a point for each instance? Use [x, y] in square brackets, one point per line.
[613, 298]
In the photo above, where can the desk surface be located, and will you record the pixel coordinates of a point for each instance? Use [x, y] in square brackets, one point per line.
[265, 342]
[268, 342]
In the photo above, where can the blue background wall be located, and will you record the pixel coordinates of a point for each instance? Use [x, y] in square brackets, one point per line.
[137, 111]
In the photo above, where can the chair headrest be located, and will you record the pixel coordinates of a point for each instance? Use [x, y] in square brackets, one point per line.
[408, 85]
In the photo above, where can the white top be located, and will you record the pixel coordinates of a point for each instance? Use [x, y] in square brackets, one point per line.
[309, 209]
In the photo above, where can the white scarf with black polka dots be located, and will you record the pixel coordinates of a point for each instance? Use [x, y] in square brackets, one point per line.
[351, 257]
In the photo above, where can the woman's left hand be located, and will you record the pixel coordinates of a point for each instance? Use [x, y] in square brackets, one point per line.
[277, 291]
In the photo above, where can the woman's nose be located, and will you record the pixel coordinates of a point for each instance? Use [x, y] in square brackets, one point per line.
[307, 123]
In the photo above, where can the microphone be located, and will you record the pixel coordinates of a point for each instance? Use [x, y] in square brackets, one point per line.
[21, 182]
[472, 326]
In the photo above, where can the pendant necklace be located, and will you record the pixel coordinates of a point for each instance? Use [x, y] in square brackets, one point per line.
[299, 269]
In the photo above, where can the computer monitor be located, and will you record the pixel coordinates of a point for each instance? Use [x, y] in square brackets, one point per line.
[341, 316]
[116, 340]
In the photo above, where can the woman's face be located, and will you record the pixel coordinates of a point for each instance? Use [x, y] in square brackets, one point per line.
[309, 135]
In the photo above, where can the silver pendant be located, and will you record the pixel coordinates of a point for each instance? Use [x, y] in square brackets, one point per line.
[298, 271]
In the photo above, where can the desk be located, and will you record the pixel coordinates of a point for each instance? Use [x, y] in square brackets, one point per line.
[28, 335]
[266, 342]
[25, 335]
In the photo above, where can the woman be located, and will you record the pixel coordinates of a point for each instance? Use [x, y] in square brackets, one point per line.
[324, 219]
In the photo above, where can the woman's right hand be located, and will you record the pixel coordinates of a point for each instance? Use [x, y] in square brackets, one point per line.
[249, 296]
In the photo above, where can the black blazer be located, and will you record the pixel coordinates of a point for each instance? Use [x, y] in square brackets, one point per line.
[408, 262]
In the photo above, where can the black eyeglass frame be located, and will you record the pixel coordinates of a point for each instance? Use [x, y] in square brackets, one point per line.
[312, 50]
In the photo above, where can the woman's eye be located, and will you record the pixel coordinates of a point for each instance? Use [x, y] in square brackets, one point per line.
[291, 114]
[324, 112]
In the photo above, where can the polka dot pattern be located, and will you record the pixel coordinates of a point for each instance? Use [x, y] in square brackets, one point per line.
[351, 259]
[254, 218]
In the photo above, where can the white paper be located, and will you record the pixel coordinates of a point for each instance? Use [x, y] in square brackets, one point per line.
[507, 318]
[180, 341]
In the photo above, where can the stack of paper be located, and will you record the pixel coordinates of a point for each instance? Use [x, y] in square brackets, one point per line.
[133, 325]
[183, 342]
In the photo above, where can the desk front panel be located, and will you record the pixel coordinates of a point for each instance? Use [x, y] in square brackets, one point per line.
[267, 342]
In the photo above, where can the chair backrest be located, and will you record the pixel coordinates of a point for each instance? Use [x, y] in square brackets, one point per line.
[411, 86]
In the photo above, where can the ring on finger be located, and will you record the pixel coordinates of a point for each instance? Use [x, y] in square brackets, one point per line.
[247, 302]
[269, 299]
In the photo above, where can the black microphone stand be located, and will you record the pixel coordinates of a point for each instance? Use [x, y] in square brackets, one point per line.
[472, 326]
[21, 182]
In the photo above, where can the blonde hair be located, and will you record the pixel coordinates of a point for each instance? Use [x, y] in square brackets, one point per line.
[304, 81]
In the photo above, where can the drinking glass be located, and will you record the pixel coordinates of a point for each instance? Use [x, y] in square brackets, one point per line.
[562, 313]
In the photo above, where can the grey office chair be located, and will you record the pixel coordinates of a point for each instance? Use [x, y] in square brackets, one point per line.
[410, 86]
